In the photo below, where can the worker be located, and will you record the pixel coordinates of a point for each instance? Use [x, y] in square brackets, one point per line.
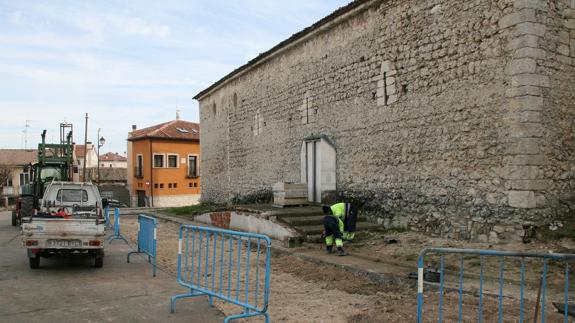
[347, 212]
[333, 229]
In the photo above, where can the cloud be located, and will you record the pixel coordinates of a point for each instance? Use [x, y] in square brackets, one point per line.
[15, 17]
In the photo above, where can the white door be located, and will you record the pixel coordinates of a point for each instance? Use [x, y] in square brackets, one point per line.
[318, 168]
[312, 157]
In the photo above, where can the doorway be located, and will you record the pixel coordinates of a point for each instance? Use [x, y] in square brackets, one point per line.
[141, 198]
[318, 167]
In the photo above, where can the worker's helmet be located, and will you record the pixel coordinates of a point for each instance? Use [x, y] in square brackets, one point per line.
[326, 209]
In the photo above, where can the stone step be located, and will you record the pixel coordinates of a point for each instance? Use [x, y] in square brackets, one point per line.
[318, 229]
[311, 220]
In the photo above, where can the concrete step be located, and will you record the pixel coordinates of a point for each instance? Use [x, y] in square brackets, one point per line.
[311, 220]
[318, 229]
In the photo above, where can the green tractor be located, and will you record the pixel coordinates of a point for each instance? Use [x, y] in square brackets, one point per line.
[55, 163]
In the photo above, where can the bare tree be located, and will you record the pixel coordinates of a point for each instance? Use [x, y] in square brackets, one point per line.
[5, 174]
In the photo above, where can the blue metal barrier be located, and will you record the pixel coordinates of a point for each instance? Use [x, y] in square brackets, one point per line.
[502, 256]
[146, 239]
[107, 217]
[220, 263]
[117, 235]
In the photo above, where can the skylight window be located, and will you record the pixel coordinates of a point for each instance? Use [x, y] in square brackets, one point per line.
[194, 131]
[182, 130]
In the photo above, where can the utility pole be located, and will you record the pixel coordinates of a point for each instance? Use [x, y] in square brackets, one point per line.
[85, 148]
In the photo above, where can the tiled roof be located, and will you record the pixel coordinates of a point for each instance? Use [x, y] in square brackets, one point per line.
[18, 157]
[112, 157]
[176, 129]
[299, 35]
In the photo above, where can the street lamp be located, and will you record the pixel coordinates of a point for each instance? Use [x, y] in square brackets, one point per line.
[101, 143]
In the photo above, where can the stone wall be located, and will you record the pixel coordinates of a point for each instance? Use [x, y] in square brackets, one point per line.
[448, 116]
[176, 200]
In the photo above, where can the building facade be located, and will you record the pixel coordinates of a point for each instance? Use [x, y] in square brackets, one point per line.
[163, 164]
[113, 160]
[15, 162]
[444, 116]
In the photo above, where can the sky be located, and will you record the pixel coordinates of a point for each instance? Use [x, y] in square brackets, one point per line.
[127, 62]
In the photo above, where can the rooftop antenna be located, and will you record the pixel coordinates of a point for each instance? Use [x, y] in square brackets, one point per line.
[26, 134]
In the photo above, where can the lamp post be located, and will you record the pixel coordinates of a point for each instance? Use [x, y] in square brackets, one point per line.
[101, 143]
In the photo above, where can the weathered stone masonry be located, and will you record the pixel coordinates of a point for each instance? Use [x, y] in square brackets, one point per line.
[451, 117]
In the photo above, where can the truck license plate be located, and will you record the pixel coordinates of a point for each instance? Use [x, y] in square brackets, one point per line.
[64, 243]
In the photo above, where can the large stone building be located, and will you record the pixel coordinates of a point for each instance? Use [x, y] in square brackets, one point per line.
[446, 116]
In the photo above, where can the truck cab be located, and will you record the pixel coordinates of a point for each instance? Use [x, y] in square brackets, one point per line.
[69, 222]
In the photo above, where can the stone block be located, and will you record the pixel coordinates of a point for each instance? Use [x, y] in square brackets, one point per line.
[523, 91]
[521, 172]
[493, 237]
[521, 199]
[564, 37]
[572, 49]
[526, 130]
[569, 13]
[528, 184]
[530, 79]
[532, 4]
[525, 116]
[563, 50]
[521, 66]
[570, 23]
[386, 66]
[523, 41]
[524, 146]
[531, 52]
[572, 4]
[536, 160]
[512, 19]
[530, 28]
[527, 101]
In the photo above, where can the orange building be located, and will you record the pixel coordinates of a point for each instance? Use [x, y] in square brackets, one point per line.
[163, 164]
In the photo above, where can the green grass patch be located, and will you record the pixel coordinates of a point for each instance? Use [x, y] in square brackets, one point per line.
[191, 210]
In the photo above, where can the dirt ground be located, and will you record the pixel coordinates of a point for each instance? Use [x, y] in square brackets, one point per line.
[304, 292]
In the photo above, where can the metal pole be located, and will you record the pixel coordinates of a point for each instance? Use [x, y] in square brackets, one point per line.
[98, 143]
[85, 148]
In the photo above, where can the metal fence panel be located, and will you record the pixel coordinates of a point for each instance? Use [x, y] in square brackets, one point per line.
[117, 235]
[508, 264]
[225, 264]
[147, 239]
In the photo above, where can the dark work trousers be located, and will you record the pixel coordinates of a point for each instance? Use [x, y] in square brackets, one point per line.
[350, 219]
[331, 227]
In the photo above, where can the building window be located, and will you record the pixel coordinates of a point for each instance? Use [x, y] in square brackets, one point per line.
[161, 185]
[24, 179]
[172, 161]
[155, 185]
[175, 185]
[190, 184]
[193, 166]
[158, 161]
[169, 185]
[139, 166]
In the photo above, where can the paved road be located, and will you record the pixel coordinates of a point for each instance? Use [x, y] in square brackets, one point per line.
[72, 290]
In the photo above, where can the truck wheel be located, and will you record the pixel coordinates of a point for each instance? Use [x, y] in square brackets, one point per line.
[34, 262]
[99, 260]
[26, 207]
[14, 220]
